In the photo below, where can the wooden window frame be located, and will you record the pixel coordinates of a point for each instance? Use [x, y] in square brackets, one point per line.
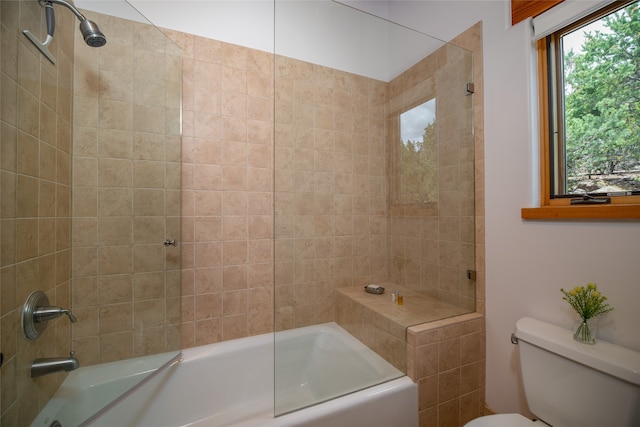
[621, 207]
[523, 9]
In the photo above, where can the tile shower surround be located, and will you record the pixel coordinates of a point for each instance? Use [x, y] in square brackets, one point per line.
[227, 180]
[227, 169]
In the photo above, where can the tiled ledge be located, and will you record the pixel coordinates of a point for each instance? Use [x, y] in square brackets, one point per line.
[418, 333]
[444, 356]
[373, 329]
[417, 309]
[392, 330]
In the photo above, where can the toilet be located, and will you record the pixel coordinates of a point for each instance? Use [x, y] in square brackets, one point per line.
[568, 384]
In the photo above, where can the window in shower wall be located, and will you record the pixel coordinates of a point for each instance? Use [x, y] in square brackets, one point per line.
[414, 167]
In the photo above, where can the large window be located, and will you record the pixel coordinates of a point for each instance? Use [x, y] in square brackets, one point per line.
[589, 77]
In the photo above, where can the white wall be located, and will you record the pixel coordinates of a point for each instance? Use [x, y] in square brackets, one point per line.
[316, 31]
[527, 262]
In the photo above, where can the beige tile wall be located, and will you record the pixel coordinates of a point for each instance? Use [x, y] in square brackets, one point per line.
[227, 191]
[330, 205]
[126, 193]
[35, 179]
[329, 178]
[329, 189]
[447, 360]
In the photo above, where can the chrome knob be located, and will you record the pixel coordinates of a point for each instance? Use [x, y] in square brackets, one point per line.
[36, 312]
[170, 243]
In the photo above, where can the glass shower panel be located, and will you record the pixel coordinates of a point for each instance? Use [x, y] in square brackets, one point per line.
[431, 186]
[126, 197]
[351, 208]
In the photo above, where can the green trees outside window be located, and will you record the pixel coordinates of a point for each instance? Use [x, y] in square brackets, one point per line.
[602, 103]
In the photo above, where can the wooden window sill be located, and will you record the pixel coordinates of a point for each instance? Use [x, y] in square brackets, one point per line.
[614, 211]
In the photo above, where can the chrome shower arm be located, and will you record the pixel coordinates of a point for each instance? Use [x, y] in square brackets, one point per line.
[69, 6]
[89, 29]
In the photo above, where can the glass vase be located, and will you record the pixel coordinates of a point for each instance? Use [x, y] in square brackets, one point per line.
[585, 331]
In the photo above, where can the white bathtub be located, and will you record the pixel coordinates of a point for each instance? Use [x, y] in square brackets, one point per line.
[232, 384]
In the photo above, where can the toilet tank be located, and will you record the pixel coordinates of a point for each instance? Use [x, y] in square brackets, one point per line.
[568, 384]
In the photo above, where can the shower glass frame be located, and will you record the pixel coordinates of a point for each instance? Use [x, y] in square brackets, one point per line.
[338, 221]
[126, 219]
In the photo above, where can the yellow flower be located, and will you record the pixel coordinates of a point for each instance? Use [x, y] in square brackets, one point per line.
[587, 301]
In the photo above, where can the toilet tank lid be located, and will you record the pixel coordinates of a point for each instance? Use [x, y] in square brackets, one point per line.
[611, 359]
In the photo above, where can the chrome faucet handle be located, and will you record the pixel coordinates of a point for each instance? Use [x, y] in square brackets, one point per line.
[36, 313]
[72, 318]
[44, 314]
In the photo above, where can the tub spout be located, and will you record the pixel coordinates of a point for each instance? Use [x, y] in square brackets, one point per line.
[49, 365]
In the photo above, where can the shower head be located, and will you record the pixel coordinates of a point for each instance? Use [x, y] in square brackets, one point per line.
[92, 34]
[89, 29]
